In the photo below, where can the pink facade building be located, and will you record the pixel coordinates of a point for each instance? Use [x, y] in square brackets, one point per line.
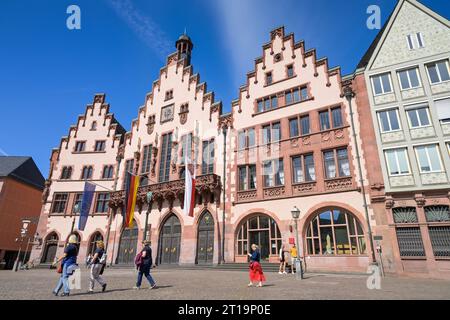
[298, 137]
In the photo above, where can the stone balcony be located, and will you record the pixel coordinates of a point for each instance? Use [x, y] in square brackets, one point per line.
[208, 189]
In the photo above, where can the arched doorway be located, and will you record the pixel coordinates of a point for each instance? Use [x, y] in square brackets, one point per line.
[334, 231]
[97, 236]
[261, 230]
[205, 239]
[169, 241]
[51, 245]
[128, 245]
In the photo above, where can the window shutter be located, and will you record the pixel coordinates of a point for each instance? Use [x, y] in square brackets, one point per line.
[443, 108]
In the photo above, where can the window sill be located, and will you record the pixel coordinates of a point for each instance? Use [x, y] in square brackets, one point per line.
[87, 152]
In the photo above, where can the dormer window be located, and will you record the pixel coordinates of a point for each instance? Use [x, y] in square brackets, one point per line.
[415, 41]
[269, 79]
[169, 94]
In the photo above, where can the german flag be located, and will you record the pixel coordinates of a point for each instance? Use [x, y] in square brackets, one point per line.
[132, 185]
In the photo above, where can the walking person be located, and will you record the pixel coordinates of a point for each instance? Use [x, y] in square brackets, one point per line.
[68, 260]
[282, 269]
[97, 267]
[256, 273]
[144, 263]
[294, 255]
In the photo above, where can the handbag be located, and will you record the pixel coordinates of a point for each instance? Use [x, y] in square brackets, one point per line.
[59, 268]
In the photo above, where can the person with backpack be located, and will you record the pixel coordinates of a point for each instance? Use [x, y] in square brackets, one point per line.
[144, 263]
[96, 265]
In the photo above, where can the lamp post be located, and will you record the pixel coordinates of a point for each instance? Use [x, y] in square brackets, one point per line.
[224, 132]
[298, 262]
[23, 234]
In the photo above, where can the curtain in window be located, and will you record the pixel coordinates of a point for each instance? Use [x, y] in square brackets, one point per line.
[330, 166]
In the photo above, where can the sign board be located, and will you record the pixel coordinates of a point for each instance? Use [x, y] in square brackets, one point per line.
[377, 238]
[291, 240]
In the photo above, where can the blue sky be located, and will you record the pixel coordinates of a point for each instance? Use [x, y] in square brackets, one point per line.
[49, 73]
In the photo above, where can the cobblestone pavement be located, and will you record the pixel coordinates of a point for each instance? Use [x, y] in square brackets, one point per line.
[221, 285]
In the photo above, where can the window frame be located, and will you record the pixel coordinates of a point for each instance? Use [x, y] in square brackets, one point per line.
[416, 68]
[336, 163]
[389, 119]
[372, 77]
[388, 166]
[437, 71]
[303, 167]
[91, 167]
[247, 177]
[415, 109]
[83, 142]
[273, 173]
[441, 164]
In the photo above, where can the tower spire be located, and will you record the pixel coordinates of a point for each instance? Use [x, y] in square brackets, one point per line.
[184, 47]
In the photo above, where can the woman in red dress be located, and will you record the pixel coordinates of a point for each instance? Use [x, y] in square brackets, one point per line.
[255, 272]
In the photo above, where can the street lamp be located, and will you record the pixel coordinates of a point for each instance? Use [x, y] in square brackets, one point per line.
[298, 263]
[23, 234]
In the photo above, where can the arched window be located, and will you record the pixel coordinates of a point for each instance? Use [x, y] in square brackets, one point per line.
[92, 243]
[335, 231]
[438, 218]
[261, 230]
[94, 125]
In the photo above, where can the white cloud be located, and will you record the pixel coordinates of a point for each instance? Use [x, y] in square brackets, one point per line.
[143, 26]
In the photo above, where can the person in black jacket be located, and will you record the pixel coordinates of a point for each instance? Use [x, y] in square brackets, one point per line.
[145, 266]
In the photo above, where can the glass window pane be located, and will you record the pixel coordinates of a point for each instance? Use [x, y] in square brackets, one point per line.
[377, 85]
[343, 163]
[253, 223]
[252, 182]
[274, 100]
[266, 134]
[241, 139]
[279, 172]
[324, 120]
[423, 159]
[434, 78]
[326, 236]
[293, 127]
[242, 178]
[386, 83]
[393, 117]
[402, 161]
[384, 122]
[325, 218]
[330, 166]
[433, 153]
[297, 169]
[342, 243]
[296, 95]
[412, 114]
[304, 122]
[404, 79]
[423, 116]
[288, 97]
[263, 222]
[443, 71]
[338, 217]
[276, 132]
[310, 173]
[413, 78]
[251, 137]
[392, 162]
[260, 106]
[266, 104]
[337, 117]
